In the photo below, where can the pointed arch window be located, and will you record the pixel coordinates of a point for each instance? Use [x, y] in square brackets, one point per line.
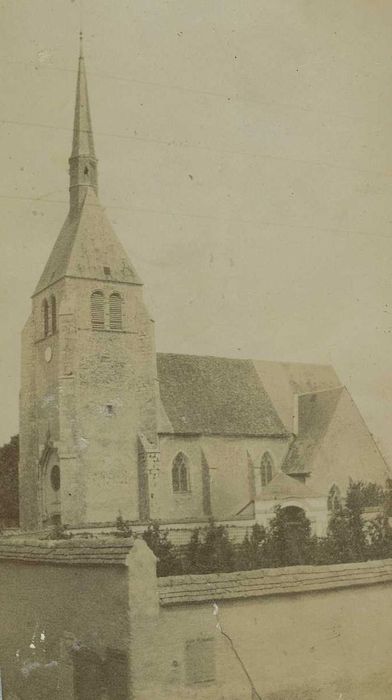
[115, 312]
[45, 316]
[334, 499]
[53, 308]
[266, 468]
[97, 310]
[180, 474]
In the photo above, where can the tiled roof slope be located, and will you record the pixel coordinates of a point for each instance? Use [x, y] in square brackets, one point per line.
[177, 590]
[85, 245]
[284, 380]
[283, 486]
[315, 412]
[215, 396]
[72, 551]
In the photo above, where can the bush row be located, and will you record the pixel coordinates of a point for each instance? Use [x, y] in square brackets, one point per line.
[285, 542]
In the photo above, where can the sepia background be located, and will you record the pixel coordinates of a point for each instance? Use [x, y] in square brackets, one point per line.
[245, 162]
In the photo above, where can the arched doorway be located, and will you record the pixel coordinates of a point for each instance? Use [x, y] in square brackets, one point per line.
[293, 514]
[51, 489]
[297, 531]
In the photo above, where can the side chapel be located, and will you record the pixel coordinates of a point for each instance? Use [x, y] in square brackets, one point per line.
[109, 426]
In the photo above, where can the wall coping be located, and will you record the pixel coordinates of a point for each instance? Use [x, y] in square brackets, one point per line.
[88, 551]
[202, 588]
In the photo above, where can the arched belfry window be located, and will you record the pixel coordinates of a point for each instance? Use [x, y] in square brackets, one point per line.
[180, 474]
[266, 468]
[97, 310]
[115, 314]
[53, 309]
[45, 316]
[334, 499]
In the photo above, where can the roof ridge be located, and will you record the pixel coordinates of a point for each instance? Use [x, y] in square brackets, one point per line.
[321, 391]
[247, 359]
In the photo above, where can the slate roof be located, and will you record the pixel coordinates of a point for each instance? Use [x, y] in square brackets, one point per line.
[285, 380]
[85, 245]
[72, 551]
[223, 396]
[211, 588]
[214, 396]
[315, 412]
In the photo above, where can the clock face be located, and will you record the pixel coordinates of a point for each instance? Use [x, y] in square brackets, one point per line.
[48, 353]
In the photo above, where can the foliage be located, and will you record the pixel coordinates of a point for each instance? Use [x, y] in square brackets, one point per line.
[387, 501]
[379, 538]
[288, 539]
[169, 562]
[9, 496]
[368, 494]
[209, 551]
[59, 532]
[124, 528]
[346, 537]
[251, 552]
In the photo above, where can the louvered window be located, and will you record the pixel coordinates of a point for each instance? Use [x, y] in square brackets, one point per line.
[54, 313]
[45, 314]
[115, 317]
[97, 310]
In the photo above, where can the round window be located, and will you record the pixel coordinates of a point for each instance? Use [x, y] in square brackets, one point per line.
[55, 477]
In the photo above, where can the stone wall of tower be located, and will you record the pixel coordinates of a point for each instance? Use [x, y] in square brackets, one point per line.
[39, 405]
[107, 398]
[39, 401]
[89, 403]
[28, 443]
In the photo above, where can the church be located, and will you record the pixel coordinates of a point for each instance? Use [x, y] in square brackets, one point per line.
[110, 427]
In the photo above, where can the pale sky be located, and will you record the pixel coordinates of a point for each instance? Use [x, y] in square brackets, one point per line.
[245, 161]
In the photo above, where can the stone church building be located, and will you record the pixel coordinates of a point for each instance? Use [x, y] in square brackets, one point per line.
[109, 426]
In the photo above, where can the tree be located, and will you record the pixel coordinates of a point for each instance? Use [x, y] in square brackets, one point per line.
[250, 553]
[346, 530]
[169, 563]
[354, 509]
[379, 538]
[9, 488]
[288, 538]
[210, 551]
[387, 504]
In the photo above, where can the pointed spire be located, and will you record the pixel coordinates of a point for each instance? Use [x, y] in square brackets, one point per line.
[83, 162]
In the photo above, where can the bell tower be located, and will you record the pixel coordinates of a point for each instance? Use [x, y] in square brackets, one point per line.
[88, 401]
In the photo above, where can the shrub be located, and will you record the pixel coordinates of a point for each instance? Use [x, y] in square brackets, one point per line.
[379, 538]
[288, 539]
[169, 563]
[209, 551]
[124, 528]
[9, 494]
[250, 552]
[59, 532]
[346, 536]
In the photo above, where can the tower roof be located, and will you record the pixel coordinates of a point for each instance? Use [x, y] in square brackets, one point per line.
[83, 140]
[87, 247]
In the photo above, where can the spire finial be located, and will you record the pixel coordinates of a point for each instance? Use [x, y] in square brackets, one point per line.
[80, 44]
